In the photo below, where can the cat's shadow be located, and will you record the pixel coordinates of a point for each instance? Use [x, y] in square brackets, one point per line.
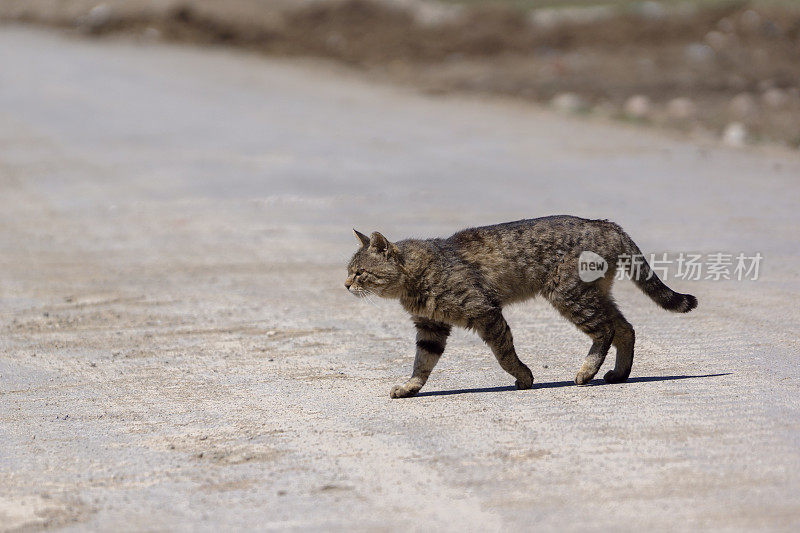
[556, 384]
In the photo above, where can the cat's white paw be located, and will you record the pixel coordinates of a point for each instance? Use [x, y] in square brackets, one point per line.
[582, 378]
[401, 391]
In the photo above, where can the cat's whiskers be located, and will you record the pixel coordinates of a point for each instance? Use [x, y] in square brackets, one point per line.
[368, 296]
[365, 294]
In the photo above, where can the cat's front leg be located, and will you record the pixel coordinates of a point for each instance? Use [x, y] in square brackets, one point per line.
[494, 331]
[431, 340]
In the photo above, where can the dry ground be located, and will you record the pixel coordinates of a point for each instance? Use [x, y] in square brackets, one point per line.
[177, 351]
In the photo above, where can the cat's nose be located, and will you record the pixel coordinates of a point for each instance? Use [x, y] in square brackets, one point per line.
[347, 285]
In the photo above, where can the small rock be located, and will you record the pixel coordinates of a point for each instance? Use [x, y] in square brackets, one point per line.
[771, 30]
[750, 21]
[651, 10]
[98, 17]
[735, 134]
[774, 98]
[93, 364]
[544, 18]
[726, 25]
[681, 108]
[637, 106]
[698, 53]
[743, 105]
[434, 14]
[569, 103]
[151, 35]
[716, 40]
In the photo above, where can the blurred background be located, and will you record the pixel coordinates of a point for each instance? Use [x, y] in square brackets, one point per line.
[727, 69]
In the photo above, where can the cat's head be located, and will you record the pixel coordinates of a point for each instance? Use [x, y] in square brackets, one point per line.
[376, 268]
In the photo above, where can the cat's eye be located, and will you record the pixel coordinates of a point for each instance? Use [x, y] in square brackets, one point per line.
[359, 271]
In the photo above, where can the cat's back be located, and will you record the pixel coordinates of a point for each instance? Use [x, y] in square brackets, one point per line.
[530, 231]
[514, 258]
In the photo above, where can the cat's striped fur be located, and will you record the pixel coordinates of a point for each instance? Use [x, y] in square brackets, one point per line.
[466, 279]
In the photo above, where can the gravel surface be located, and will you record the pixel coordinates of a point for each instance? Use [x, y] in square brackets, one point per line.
[178, 352]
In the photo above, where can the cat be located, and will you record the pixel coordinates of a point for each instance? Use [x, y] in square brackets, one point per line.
[466, 279]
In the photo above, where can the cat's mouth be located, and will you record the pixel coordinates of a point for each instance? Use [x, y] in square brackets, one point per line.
[362, 293]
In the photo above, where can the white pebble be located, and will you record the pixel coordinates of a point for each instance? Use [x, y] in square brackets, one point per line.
[151, 34]
[637, 106]
[716, 40]
[726, 25]
[735, 134]
[774, 98]
[698, 53]
[652, 10]
[98, 16]
[569, 103]
[751, 21]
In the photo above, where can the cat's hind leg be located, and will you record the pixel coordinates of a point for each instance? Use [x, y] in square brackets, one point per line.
[594, 313]
[494, 331]
[431, 340]
[624, 339]
[601, 342]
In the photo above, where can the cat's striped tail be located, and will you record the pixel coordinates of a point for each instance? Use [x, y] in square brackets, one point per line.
[643, 276]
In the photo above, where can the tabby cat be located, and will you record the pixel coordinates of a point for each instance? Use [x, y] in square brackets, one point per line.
[466, 279]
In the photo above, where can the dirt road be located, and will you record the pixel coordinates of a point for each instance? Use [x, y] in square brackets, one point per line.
[177, 351]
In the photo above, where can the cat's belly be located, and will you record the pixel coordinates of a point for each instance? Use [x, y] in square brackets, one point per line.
[520, 293]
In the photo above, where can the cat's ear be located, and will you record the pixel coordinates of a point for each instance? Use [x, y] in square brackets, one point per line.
[378, 242]
[381, 244]
[363, 240]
